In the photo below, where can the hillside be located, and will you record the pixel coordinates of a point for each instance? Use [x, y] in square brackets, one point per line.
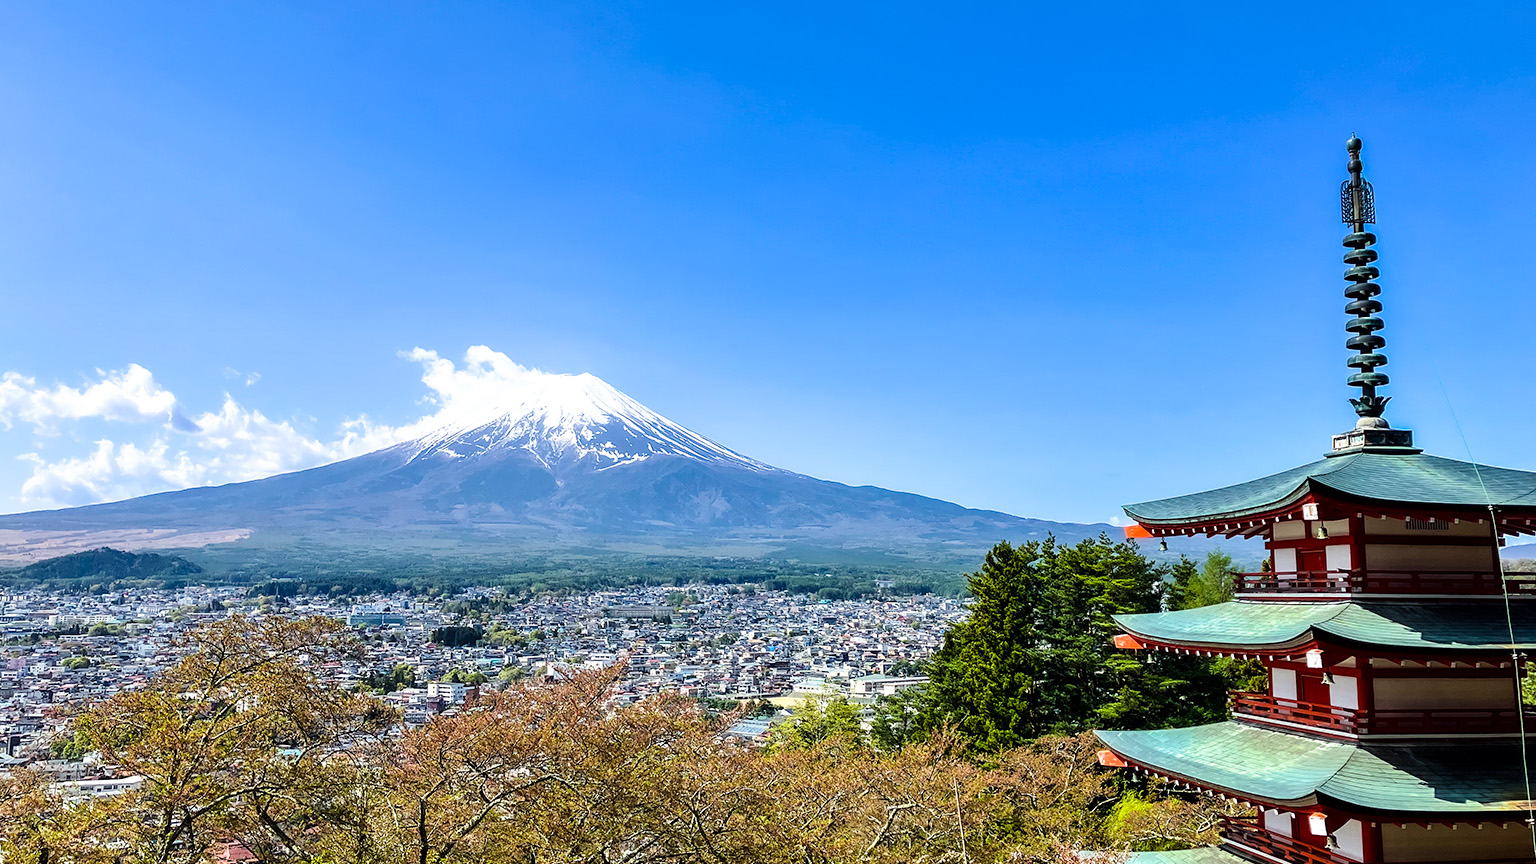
[107, 565]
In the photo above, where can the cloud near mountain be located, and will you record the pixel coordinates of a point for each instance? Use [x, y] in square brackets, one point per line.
[155, 445]
[510, 460]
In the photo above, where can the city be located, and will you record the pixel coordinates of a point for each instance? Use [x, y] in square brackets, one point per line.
[730, 643]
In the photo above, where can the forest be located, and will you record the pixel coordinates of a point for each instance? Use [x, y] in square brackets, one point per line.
[333, 573]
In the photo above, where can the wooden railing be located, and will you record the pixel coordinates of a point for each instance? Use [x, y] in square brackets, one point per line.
[1264, 707]
[1434, 721]
[1361, 581]
[1243, 834]
[1247, 835]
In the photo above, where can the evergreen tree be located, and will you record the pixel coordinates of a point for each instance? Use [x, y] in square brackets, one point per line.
[1089, 583]
[983, 677]
[455, 636]
[1213, 583]
[1037, 656]
[1181, 579]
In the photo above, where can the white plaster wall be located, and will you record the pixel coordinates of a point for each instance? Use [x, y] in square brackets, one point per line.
[1349, 840]
[1294, 530]
[1465, 843]
[1425, 693]
[1285, 560]
[1344, 692]
[1278, 822]
[1283, 683]
[1338, 557]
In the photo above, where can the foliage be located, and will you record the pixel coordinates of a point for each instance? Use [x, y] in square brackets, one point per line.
[238, 738]
[1212, 582]
[275, 588]
[461, 676]
[454, 637]
[1036, 655]
[104, 564]
[738, 707]
[286, 570]
[243, 743]
[72, 747]
[37, 824]
[507, 637]
[1033, 655]
[1152, 818]
[398, 678]
[898, 718]
[819, 720]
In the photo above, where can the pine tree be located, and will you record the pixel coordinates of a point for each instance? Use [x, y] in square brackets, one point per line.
[1213, 584]
[1037, 656]
[1181, 579]
[983, 677]
[1090, 582]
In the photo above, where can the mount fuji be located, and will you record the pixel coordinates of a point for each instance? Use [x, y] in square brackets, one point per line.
[565, 462]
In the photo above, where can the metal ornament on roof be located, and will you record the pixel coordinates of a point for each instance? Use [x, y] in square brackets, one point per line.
[1359, 210]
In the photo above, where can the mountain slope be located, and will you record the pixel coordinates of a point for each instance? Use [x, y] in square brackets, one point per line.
[568, 461]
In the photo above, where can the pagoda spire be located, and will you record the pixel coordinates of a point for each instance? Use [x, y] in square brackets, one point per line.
[1359, 210]
[1358, 202]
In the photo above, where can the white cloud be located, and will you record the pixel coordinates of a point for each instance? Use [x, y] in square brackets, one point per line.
[130, 396]
[488, 380]
[232, 444]
[110, 472]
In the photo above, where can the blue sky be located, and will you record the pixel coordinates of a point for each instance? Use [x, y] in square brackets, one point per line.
[1042, 259]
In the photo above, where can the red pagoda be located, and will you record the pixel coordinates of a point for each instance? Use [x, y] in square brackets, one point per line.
[1392, 727]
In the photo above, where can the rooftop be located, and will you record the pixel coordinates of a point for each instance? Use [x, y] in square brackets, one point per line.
[1414, 479]
[1296, 771]
[1200, 855]
[1274, 626]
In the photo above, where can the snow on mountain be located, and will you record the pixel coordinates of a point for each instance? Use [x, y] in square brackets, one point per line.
[573, 422]
[537, 461]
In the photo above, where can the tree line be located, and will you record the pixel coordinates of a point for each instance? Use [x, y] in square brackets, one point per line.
[347, 572]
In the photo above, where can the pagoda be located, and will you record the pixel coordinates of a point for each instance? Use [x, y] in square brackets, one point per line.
[1391, 728]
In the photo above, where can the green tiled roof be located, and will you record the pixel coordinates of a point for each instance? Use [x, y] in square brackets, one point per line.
[1200, 855]
[1293, 770]
[1398, 478]
[1467, 626]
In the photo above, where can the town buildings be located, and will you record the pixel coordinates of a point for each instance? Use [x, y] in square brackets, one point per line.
[710, 642]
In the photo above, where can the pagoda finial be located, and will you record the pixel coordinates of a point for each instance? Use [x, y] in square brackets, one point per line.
[1359, 210]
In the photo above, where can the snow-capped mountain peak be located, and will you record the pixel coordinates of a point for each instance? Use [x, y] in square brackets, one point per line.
[568, 421]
